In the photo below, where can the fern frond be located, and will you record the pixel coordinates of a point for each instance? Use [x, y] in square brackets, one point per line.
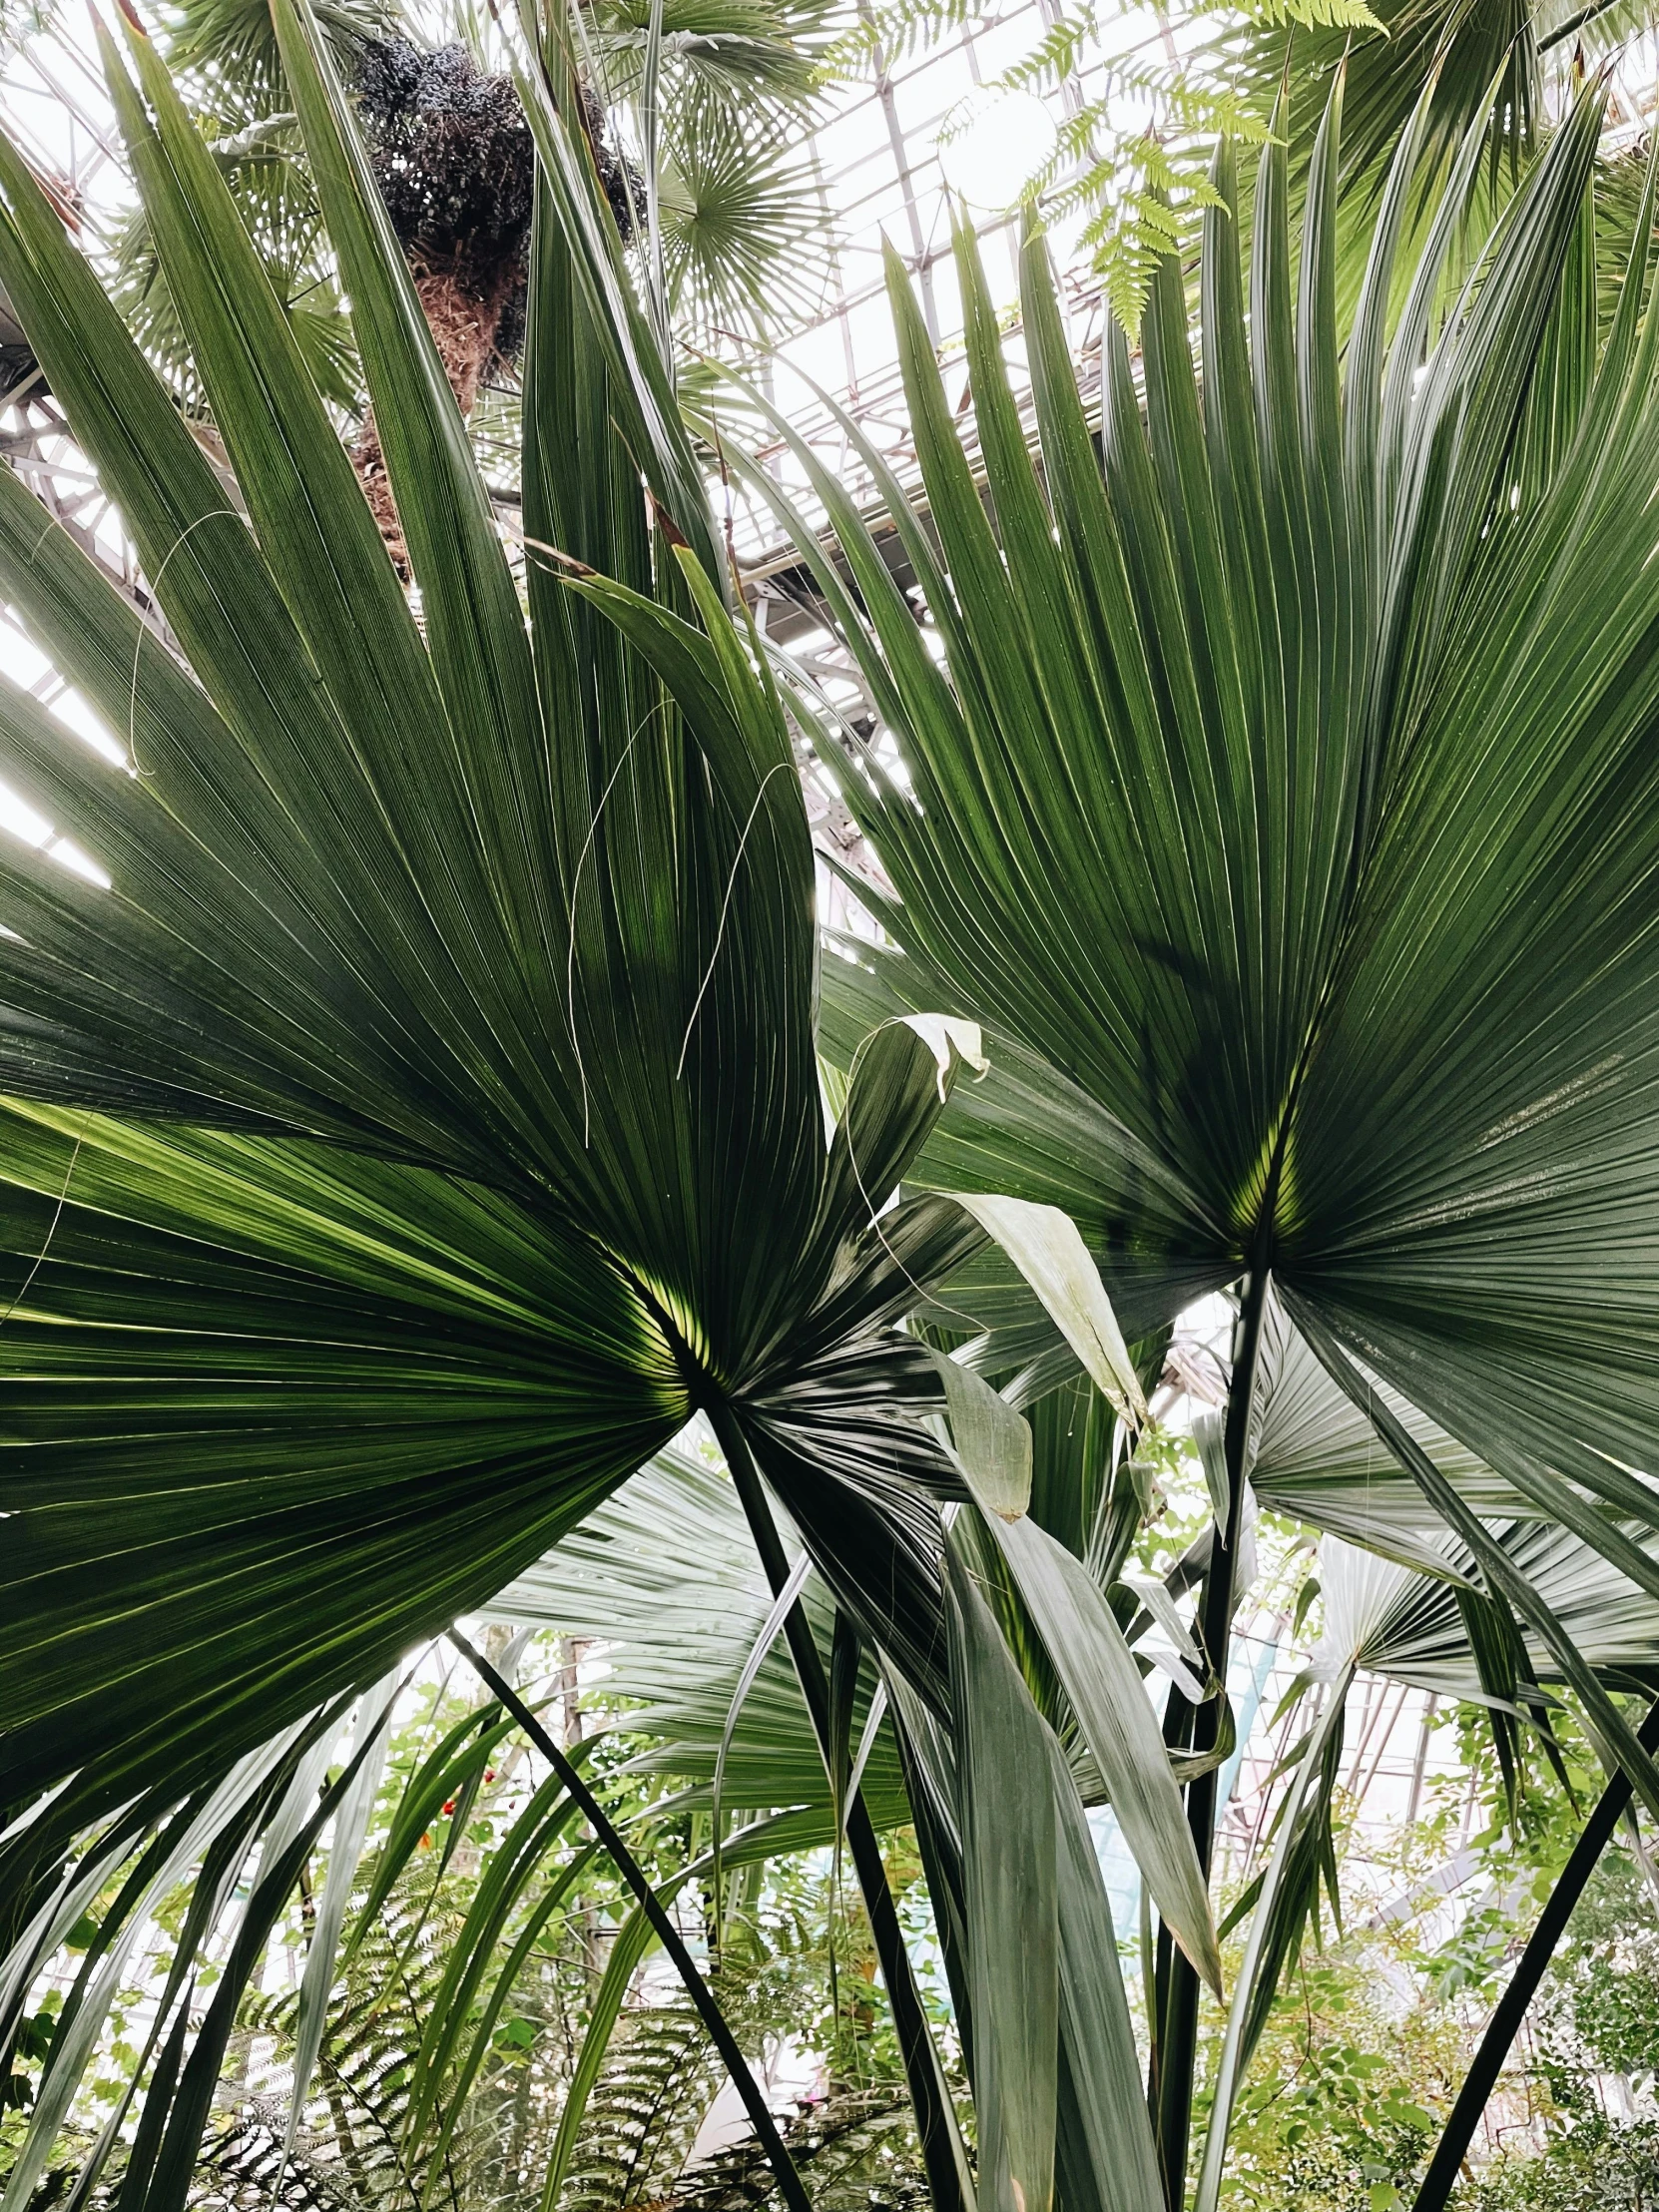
[856, 2150]
[660, 2077]
[897, 30]
[244, 2169]
[1315, 15]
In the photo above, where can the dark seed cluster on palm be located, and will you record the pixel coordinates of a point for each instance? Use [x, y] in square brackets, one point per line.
[454, 161]
[455, 164]
[456, 167]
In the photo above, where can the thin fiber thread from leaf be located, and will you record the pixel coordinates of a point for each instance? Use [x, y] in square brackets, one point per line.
[724, 909]
[51, 1232]
[213, 514]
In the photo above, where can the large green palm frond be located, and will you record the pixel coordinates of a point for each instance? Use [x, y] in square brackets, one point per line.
[1284, 784]
[353, 1372]
[661, 1586]
[1478, 59]
[1498, 65]
[1314, 1457]
[1504, 69]
[435, 1009]
[1407, 1582]
[736, 51]
[1029, 1129]
[1418, 1630]
[232, 45]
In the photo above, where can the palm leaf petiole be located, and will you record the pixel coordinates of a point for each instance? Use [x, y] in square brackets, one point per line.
[1446, 2165]
[1178, 2041]
[697, 1988]
[936, 2121]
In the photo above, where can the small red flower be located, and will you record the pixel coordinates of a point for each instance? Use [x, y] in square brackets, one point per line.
[449, 1804]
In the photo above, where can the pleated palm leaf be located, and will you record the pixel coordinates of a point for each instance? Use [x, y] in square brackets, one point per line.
[1282, 798]
[1482, 61]
[1314, 1456]
[662, 1588]
[412, 1111]
[747, 227]
[1291, 770]
[412, 1117]
[1494, 62]
[1507, 67]
[1413, 1602]
[1421, 1633]
[995, 1791]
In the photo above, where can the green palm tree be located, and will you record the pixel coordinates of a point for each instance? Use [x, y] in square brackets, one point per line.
[725, 218]
[694, 118]
[414, 1111]
[1281, 800]
[413, 1117]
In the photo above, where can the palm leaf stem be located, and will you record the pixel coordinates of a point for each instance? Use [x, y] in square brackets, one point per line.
[936, 2121]
[1178, 2040]
[1249, 1986]
[1446, 2164]
[1177, 1738]
[1563, 31]
[714, 2019]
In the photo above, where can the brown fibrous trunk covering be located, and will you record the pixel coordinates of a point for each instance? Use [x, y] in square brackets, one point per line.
[464, 322]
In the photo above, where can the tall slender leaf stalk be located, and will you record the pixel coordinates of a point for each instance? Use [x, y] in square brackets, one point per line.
[1481, 2080]
[1178, 2028]
[936, 2121]
[697, 1988]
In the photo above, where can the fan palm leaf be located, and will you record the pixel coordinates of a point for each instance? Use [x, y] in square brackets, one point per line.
[1491, 64]
[662, 1583]
[439, 985]
[1473, 62]
[1280, 787]
[723, 49]
[661, 1587]
[1314, 1457]
[1397, 1583]
[234, 41]
[745, 222]
[1418, 1632]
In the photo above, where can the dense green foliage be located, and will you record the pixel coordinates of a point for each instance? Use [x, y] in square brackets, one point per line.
[432, 1097]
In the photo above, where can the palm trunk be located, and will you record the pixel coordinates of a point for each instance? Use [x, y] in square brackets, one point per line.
[463, 324]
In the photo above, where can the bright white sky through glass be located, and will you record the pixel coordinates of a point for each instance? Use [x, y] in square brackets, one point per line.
[878, 153]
